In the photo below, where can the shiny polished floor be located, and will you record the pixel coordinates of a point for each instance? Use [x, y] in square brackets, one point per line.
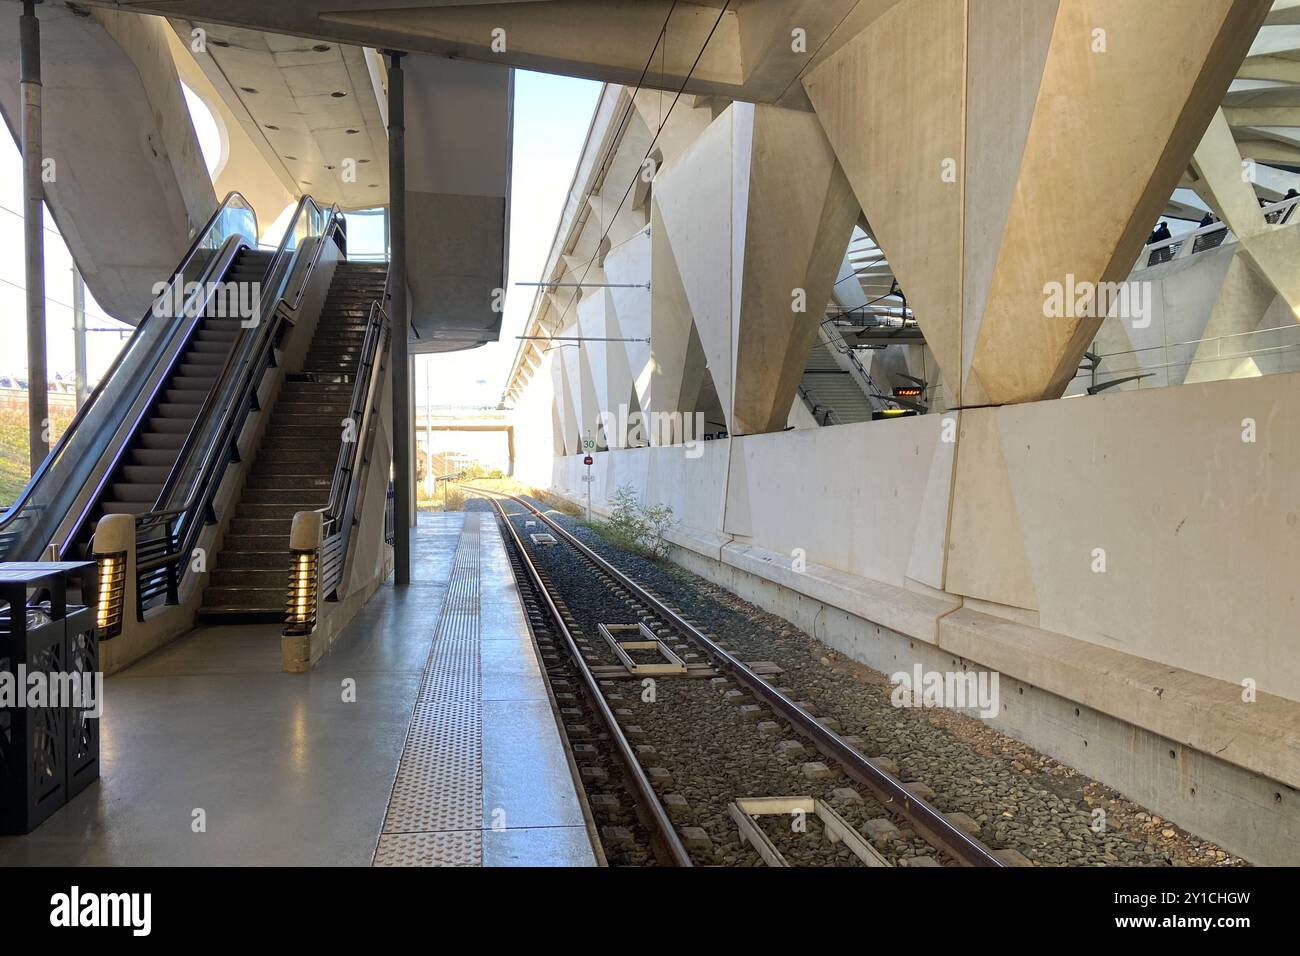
[212, 756]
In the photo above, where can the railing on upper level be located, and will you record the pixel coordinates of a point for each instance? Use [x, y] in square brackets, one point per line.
[1204, 238]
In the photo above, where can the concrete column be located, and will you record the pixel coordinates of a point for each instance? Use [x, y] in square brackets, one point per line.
[402, 484]
[1012, 157]
[79, 336]
[38, 399]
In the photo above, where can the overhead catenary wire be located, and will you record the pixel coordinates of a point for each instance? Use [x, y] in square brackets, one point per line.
[649, 149]
[627, 112]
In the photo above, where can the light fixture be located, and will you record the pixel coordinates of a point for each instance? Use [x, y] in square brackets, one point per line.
[300, 609]
[112, 594]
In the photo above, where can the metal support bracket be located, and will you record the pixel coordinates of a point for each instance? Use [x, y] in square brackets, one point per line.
[746, 810]
[671, 663]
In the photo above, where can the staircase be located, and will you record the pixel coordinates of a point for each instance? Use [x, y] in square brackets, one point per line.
[295, 463]
[828, 386]
[135, 486]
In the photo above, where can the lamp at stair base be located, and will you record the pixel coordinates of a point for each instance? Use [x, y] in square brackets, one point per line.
[304, 579]
[113, 549]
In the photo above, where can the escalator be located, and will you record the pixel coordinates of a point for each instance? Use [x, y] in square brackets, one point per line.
[153, 450]
[154, 438]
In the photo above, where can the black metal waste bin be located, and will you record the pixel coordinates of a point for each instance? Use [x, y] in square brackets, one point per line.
[48, 752]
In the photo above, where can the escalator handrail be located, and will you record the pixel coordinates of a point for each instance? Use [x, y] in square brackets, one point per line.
[109, 474]
[286, 259]
[199, 237]
[191, 514]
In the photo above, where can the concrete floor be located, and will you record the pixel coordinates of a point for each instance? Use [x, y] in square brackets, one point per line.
[285, 771]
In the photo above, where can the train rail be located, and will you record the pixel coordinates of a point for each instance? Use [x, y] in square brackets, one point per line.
[665, 842]
[954, 843]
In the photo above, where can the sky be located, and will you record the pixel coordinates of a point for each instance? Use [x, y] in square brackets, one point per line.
[551, 115]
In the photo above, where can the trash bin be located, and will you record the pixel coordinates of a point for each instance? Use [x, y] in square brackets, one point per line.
[49, 746]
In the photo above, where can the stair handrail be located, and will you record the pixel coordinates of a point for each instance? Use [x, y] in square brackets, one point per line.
[339, 514]
[196, 511]
[873, 390]
[209, 238]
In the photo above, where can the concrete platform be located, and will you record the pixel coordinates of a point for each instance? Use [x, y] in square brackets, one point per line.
[212, 756]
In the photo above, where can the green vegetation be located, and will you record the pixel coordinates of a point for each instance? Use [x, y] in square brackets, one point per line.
[14, 470]
[636, 526]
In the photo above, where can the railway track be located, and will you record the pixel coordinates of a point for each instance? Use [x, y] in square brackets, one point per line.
[665, 641]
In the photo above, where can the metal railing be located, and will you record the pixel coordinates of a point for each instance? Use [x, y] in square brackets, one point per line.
[319, 540]
[1211, 236]
[32, 522]
[167, 535]
[339, 515]
[1269, 351]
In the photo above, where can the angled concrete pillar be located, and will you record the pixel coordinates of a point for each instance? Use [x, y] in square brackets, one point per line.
[1225, 184]
[1013, 153]
[1222, 180]
[757, 213]
[798, 214]
[126, 182]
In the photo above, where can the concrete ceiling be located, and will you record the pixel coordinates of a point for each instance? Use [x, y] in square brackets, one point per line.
[310, 107]
[1263, 105]
[751, 54]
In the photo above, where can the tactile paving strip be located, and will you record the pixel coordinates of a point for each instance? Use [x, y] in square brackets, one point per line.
[435, 816]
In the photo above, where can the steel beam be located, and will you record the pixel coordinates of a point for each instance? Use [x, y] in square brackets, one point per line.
[403, 492]
[38, 398]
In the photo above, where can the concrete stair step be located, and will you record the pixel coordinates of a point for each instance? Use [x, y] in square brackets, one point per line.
[253, 543]
[262, 526]
[284, 441]
[278, 510]
[250, 578]
[263, 561]
[241, 598]
[308, 497]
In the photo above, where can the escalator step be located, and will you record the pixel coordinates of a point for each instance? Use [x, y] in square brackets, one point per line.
[170, 426]
[131, 492]
[145, 474]
[177, 410]
[162, 458]
[197, 384]
[125, 507]
[171, 441]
